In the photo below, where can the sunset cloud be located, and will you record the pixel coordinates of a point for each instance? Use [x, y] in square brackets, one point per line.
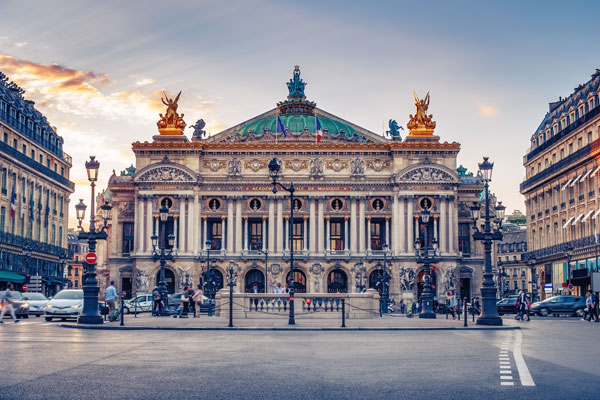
[145, 82]
[19, 44]
[488, 110]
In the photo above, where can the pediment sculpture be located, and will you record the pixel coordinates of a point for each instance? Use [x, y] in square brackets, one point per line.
[426, 174]
[166, 174]
[316, 167]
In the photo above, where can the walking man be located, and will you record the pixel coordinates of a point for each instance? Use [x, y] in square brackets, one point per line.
[590, 304]
[110, 295]
[7, 304]
[156, 301]
[452, 305]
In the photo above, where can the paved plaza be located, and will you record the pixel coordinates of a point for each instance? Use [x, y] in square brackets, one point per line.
[539, 360]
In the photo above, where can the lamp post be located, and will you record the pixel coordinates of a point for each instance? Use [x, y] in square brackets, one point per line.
[489, 314]
[90, 314]
[266, 253]
[531, 265]
[384, 283]
[208, 274]
[162, 253]
[361, 277]
[274, 172]
[569, 254]
[27, 254]
[426, 255]
[232, 272]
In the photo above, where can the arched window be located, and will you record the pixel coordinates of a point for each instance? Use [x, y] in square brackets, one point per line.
[255, 281]
[374, 280]
[299, 281]
[337, 282]
[169, 280]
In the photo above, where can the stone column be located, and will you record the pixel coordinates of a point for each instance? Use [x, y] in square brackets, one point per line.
[394, 242]
[443, 222]
[304, 238]
[451, 226]
[327, 234]
[246, 235]
[320, 226]
[368, 234]
[136, 225]
[205, 236]
[190, 226]
[149, 228]
[114, 237]
[271, 230]
[181, 233]
[279, 233]
[230, 229]
[223, 231]
[264, 234]
[361, 226]
[387, 232]
[346, 234]
[286, 235]
[238, 226]
[435, 229]
[354, 230]
[175, 231]
[410, 225]
[402, 224]
[312, 225]
[195, 222]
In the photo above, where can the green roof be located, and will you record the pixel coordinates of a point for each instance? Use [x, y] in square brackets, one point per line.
[296, 123]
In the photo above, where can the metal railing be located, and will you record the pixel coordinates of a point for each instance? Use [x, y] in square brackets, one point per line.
[561, 248]
[34, 245]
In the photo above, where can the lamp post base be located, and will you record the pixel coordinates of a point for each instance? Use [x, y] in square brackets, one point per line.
[496, 321]
[430, 315]
[90, 320]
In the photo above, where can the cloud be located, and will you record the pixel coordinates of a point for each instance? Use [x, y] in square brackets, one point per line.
[19, 44]
[145, 82]
[488, 110]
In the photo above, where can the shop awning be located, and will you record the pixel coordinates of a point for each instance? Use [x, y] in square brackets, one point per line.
[596, 214]
[594, 172]
[565, 185]
[8, 276]
[587, 215]
[585, 175]
[578, 218]
[568, 222]
[575, 180]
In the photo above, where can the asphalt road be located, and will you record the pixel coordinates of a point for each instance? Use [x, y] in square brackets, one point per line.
[43, 361]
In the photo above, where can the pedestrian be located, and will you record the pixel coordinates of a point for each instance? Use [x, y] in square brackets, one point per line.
[286, 289]
[191, 303]
[590, 307]
[452, 304]
[254, 289]
[7, 304]
[110, 295]
[402, 307]
[277, 288]
[197, 299]
[476, 305]
[184, 303]
[417, 307]
[156, 302]
[522, 306]
[413, 307]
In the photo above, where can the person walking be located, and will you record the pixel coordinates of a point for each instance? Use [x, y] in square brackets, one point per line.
[522, 306]
[590, 304]
[452, 305]
[110, 295]
[7, 304]
[191, 303]
[197, 299]
[184, 303]
[156, 302]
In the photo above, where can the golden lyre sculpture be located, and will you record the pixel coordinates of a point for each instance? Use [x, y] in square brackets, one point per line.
[171, 123]
[421, 124]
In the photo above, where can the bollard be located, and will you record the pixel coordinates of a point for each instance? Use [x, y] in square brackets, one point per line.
[343, 313]
[122, 302]
[473, 311]
[465, 307]
[134, 308]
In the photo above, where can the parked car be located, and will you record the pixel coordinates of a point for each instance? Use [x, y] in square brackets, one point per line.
[21, 307]
[175, 301]
[141, 303]
[67, 303]
[37, 302]
[572, 305]
[507, 305]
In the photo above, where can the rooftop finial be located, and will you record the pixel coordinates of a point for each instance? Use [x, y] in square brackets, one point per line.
[296, 85]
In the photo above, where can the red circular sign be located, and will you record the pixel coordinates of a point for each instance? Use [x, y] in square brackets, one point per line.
[90, 258]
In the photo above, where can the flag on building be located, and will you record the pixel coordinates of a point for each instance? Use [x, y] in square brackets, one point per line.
[280, 126]
[319, 130]
[13, 206]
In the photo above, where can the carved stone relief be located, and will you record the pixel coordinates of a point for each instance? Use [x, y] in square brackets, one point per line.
[407, 279]
[185, 278]
[426, 174]
[378, 165]
[235, 167]
[316, 167]
[449, 279]
[316, 269]
[126, 210]
[165, 174]
[296, 165]
[255, 165]
[357, 166]
[336, 165]
[215, 165]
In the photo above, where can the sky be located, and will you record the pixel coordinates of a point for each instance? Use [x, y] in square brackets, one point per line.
[97, 69]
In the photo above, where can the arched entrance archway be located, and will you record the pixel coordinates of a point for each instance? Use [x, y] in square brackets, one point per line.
[421, 282]
[254, 278]
[169, 280]
[374, 280]
[337, 281]
[299, 281]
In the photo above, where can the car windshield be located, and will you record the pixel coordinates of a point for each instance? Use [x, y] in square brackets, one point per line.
[34, 296]
[69, 295]
[15, 295]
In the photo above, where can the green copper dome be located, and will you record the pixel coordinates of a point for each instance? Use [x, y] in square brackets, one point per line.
[296, 123]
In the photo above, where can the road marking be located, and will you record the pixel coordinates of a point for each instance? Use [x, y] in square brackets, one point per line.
[524, 375]
[506, 378]
[507, 383]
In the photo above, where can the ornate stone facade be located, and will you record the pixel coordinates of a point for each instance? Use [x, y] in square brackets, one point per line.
[355, 192]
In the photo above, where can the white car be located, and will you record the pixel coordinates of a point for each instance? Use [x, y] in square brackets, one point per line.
[141, 303]
[67, 303]
[37, 302]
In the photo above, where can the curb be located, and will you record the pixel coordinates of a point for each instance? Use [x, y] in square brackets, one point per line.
[322, 329]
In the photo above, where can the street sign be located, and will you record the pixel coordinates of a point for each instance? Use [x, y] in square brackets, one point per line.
[90, 258]
[570, 286]
[35, 283]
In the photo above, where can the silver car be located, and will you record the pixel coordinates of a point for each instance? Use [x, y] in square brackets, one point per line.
[67, 303]
[37, 302]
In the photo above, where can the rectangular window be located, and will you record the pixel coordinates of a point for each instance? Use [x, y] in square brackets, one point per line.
[62, 171]
[61, 206]
[4, 180]
[298, 236]
[570, 148]
[579, 143]
[48, 162]
[76, 284]
[25, 149]
[215, 234]
[589, 137]
[5, 137]
[60, 243]
[54, 203]
[41, 159]
[562, 153]
[464, 238]
[377, 235]
[53, 237]
[127, 237]
[22, 227]
[23, 190]
[2, 218]
[33, 154]
[336, 235]
[76, 271]
[255, 235]
[15, 143]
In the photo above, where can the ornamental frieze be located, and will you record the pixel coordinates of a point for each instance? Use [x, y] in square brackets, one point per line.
[215, 165]
[336, 165]
[255, 165]
[378, 165]
[296, 165]
[166, 174]
[126, 210]
[426, 174]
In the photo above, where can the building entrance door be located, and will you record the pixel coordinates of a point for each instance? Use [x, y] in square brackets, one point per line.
[126, 287]
[169, 280]
[465, 288]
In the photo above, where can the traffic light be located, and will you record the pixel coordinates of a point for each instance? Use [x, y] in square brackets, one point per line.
[27, 278]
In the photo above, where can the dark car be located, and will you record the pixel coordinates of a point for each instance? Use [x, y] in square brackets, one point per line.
[20, 306]
[571, 305]
[507, 305]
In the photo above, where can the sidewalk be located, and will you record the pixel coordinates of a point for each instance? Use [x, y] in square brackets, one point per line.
[387, 323]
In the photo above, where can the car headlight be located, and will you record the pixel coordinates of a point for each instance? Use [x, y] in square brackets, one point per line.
[25, 305]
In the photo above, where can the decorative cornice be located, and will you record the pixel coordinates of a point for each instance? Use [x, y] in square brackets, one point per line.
[295, 146]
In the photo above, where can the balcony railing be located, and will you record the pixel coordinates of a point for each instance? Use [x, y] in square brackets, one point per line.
[561, 248]
[34, 245]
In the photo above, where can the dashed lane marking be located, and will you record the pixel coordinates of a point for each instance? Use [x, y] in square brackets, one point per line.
[506, 378]
[524, 375]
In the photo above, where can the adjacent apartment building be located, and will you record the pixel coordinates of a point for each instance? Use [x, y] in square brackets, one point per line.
[561, 191]
[34, 194]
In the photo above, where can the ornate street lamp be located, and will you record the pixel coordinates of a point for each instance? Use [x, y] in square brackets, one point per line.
[266, 253]
[531, 264]
[232, 273]
[90, 313]
[384, 283]
[569, 253]
[274, 172]
[426, 254]
[163, 253]
[489, 314]
[210, 280]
